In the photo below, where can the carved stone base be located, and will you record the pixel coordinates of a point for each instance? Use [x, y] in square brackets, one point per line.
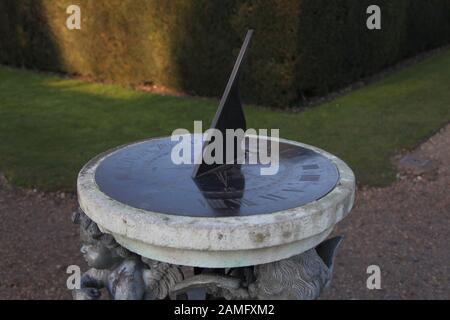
[126, 275]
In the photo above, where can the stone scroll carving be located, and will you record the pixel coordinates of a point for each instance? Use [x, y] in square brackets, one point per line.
[126, 275]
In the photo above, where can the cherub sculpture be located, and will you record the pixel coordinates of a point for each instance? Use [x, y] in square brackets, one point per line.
[125, 275]
[301, 277]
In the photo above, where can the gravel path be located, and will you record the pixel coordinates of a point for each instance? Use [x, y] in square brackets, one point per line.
[404, 229]
[38, 242]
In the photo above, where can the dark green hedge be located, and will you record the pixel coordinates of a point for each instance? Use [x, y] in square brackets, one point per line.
[301, 48]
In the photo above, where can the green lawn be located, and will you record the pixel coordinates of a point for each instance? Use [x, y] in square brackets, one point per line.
[51, 126]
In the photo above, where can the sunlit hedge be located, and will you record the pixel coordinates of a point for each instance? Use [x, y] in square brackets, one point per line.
[301, 48]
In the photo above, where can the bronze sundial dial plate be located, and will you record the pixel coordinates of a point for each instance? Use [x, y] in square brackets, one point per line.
[142, 176]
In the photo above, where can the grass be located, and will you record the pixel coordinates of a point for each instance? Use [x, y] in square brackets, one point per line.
[51, 126]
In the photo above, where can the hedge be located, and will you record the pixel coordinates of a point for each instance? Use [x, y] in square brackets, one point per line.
[301, 48]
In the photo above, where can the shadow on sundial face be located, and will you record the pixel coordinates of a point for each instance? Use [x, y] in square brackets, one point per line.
[143, 176]
[223, 189]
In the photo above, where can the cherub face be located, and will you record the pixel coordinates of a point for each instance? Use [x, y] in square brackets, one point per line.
[98, 256]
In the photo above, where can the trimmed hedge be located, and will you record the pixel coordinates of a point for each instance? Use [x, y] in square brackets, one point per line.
[301, 48]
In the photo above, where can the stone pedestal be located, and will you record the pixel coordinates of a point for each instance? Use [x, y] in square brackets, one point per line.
[139, 254]
[126, 275]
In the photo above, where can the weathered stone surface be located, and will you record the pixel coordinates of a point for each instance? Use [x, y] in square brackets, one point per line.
[418, 165]
[219, 242]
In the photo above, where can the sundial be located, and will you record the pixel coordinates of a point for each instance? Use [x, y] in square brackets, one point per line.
[142, 175]
[219, 214]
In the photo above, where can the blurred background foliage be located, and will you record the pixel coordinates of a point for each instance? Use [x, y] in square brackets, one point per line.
[301, 48]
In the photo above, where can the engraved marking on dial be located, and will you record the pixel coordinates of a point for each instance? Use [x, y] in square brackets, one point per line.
[162, 145]
[310, 167]
[312, 177]
[272, 197]
[242, 202]
[292, 190]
